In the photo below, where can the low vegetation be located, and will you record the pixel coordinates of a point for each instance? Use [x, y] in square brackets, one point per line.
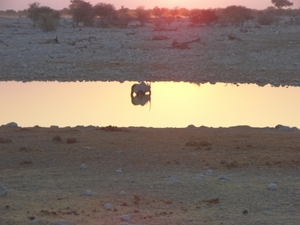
[43, 16]
[105, 15]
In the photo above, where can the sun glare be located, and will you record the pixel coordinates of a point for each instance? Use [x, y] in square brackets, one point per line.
[171, 104]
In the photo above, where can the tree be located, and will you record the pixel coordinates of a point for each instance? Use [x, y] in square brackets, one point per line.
[174, 12]
[237, 14]
[43, 16]
[104, 10]
[203, 16]
[159, 12]
[184, 12]
[281, 3]
[123, 16]
[82, 11]
[142, 15]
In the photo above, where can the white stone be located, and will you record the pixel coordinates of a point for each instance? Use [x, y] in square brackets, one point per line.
[83, 166]
[108, 206]
[3, 190]
[272, 186]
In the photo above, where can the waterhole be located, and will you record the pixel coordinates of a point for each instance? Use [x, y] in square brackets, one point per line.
[170, 104]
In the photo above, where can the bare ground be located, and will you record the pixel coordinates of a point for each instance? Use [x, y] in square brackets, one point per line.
[169, 176]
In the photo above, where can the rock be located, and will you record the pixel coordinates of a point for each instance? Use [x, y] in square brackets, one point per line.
[209, 172]
[3, 190]
[119, 170]
[198, 176]
[5, 141]
[286, 128]
[124, 223]
[125, 218]
[61, 223]
[11, 124]
[71, 140]
[36, 221]
[89, 193]
[122, 193]
[56, 138]
[223, 178]
[83, 166]
[272, 186]
[108, 206]
[173, 180]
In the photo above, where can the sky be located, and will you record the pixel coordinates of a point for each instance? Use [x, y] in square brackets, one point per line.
[132, 4]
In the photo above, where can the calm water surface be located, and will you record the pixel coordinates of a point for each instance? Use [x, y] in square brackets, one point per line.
[172, 104]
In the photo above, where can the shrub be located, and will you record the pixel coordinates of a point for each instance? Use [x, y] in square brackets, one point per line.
[47, 22]
[266, 19]
[44, 17]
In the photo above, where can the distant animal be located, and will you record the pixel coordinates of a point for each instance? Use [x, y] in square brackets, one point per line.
[141, 99]
[140, 89]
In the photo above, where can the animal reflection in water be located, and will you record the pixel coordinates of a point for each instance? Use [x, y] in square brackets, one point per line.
[140, 93]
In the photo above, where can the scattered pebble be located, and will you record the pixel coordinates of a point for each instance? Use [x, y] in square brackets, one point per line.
[122, 193]
[125, 218]
[209, 172]
[83, 166]
[89, 193]
[71, 140]
[245, 212]
[289, 209]
[124, 223]
[223, 178]
[108, 206]
[3, 190]
[56, 138]
[272, 186]
[198, 176]
[61, 223]
[191, 219]
[36, 221]
[173, 180]
[5, 141]
[119, 170]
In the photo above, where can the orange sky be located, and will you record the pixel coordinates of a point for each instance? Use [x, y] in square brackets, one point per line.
[202, 4]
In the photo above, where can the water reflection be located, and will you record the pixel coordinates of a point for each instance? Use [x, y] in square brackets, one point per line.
[140, 93]
[173, 104]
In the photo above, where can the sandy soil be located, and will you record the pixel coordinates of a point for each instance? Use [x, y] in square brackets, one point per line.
[157, 176]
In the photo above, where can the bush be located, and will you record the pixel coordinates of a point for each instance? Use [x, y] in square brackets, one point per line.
[266, 19]
[44, 17]
[47, 22]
